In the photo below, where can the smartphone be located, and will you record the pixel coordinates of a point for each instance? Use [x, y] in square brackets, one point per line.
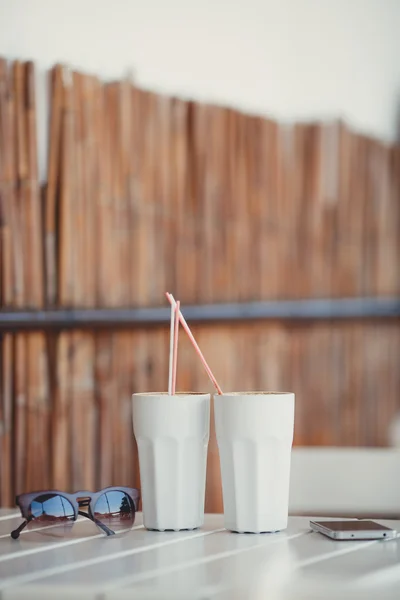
[353, 530]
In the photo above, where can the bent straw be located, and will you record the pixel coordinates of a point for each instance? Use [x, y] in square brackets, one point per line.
[171, 350]
[185, 326]
[175, 355]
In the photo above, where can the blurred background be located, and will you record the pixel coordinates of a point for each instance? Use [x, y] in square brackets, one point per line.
[242, 155]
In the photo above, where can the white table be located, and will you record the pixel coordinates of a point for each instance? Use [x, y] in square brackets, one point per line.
[206, 563]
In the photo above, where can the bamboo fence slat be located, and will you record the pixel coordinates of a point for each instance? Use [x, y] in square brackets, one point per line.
[35, 252]
[67, 184]
[6, 410]
[21, 234]
[6, 260]
[20, 410]
[53, 182]
[60, 424]
[105, 395]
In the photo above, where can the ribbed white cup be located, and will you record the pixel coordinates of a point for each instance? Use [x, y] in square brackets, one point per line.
[255, 435]
[172, 434]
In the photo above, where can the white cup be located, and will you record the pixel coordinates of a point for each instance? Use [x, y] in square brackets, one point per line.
[172, 434]
[255, 435]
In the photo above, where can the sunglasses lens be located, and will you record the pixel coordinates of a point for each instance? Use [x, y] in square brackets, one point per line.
[51, 514]
[116, 510]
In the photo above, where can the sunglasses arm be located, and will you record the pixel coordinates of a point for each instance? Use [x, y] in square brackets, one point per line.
[16, 532]
[106, 530]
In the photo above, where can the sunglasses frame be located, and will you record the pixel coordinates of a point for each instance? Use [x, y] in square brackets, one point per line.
[81, 498]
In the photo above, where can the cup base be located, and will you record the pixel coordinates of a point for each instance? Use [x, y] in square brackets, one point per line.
[172, 530]
[254, 532]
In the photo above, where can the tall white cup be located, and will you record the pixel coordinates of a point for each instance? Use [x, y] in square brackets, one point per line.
[255, 435]
[172, 434]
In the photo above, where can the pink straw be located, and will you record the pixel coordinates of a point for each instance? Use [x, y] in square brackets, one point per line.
[175, 355]
[171, 350]
[185, 326]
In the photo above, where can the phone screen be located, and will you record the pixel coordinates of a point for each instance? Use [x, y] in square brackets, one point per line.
[352, 525]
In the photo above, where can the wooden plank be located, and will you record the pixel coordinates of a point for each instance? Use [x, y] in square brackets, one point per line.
[90, 90]
[35, 250]
[123, 212]
[67, 188]
[76, 243]
[104, 215]
[53, 182]
[21, 235]
[105, 394]
[61, 448]
[344, 267]
[140, 381]
[20, 411]
[122, 450]
[38, 416]
[6, 409]
[82, 412]
[185, 228]
[6, 208]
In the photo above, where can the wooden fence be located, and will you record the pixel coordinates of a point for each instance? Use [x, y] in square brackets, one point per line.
[146, 193]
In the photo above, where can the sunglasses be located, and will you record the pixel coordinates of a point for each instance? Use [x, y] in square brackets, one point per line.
[112, 509]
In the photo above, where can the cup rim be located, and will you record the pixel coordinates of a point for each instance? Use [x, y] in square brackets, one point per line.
[177, 394]
[255, 394]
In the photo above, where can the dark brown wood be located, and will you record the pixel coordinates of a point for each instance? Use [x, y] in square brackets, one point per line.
[6, 410]
[53, 182]
[67, 177]
[35, 251]
[21, 233]
[6, 259]
[61, 421]
[20, 411]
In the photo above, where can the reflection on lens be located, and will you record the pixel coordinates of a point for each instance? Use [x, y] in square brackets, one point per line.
[116, 510]
[51, 514]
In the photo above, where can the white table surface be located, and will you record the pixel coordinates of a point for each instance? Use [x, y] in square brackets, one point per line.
[207, 563]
